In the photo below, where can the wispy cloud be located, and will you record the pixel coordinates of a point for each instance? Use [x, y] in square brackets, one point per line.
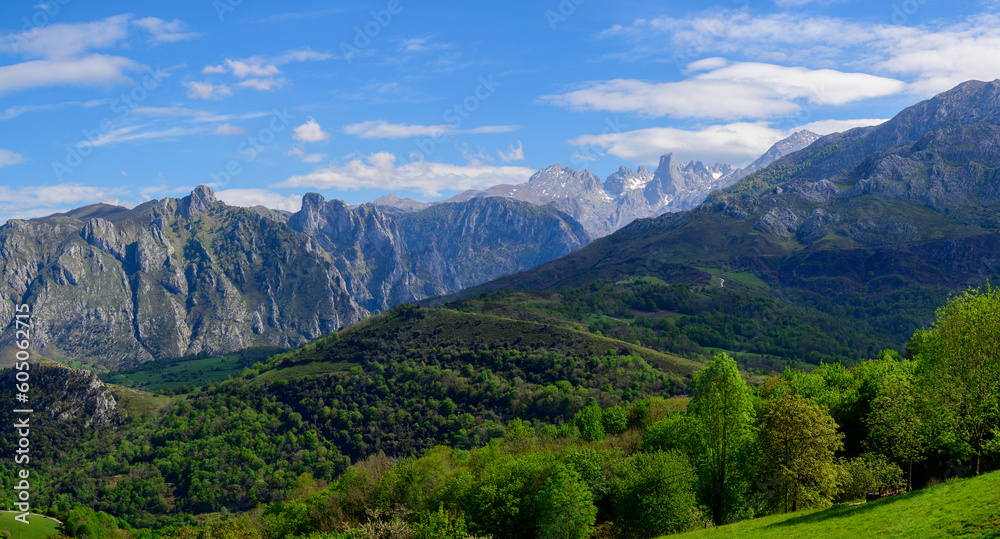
[261, 73]
[380, 171]
[207, 90]
[229, 129]
[736, 143]
[423, 44]
[93, 70]
[306, 157]
[40, 200]
[162, 31]
[934, 56]
[13, 112]
[63, 54]
[380, 129]
[512, 153]
[136, 132]
[8, 158]
[734, 91]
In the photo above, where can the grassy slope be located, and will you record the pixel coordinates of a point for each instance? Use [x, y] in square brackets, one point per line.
[38, 527]
[962, 508]
[454, 330]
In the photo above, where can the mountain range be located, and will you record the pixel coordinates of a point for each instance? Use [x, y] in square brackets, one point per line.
[627, 194]
[885, 219]
[876, 224]
[176, 277]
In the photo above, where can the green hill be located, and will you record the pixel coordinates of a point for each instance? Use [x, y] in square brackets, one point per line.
[960, 508]
[396, 384]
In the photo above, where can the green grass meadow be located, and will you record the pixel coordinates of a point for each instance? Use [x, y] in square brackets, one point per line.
[959, 508]
[38, 527]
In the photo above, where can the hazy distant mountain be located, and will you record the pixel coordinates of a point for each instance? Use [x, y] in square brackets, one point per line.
[406, 204]
[627, 195]
[176, 277]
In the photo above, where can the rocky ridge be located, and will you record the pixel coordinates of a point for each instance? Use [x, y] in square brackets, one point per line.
[626, 194]
[175, 277]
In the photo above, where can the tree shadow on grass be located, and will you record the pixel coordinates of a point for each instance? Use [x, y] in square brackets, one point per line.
[852, 511]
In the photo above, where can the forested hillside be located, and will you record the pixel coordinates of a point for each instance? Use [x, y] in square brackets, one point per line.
[418, 423]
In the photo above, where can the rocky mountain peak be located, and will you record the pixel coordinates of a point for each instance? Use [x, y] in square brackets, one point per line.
[626, 179]
[198, 202]
[791, 144]
[313, 200]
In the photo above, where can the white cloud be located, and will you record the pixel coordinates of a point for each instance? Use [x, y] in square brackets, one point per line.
[306, 158]
[934, 56]
[942, 58]
[229, 129]
[260, 197]
[261, 72]
[8, 158]
[41, 200]
[93, 70]
[310, 132]
[207, 90]
[739, 90]
[165, 31]
[61, 54]
[708, 64]
[512, 153]
[735, 143]
[243, 69]
[262, 85]
[379, 129]
[818, 86]
[380, 171]
[63, 41]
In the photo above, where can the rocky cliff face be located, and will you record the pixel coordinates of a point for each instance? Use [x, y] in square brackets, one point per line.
[61, 394]
[176, 277]
[897, 182]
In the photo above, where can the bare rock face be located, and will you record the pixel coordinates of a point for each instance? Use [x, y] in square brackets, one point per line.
[64, 394]
[174, 277]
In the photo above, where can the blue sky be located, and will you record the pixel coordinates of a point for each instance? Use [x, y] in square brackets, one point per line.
[122, 102]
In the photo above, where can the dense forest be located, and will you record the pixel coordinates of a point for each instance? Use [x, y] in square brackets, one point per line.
[465, 439]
